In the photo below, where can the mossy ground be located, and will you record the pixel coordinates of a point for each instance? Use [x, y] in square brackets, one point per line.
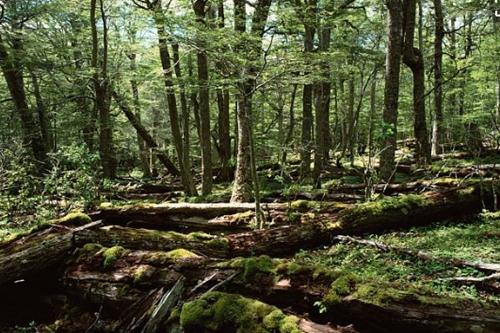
[373, 276]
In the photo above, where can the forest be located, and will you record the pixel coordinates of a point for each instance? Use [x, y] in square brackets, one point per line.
[270, 166]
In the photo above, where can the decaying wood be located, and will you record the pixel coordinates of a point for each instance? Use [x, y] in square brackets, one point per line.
[164, 306]
[308, 326]
[423, 255]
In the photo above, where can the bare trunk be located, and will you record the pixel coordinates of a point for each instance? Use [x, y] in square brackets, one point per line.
[413, 58]
[187, 179]
[143, 150]
[101, 89]
[437, 125]
[204, 93]
[391, 91]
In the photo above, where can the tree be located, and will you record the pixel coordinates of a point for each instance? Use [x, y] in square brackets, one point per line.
[391, 90]
[413, 58]
[199, 7]
[11, 62]
[437, 122]
[155, 7]
[249, 43]
[101, 85]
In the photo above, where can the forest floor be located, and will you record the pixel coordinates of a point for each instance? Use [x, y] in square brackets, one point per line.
[326, 261]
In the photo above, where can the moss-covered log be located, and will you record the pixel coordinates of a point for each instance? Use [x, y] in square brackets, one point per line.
[181, 217]
[326, 294]
[26, 254]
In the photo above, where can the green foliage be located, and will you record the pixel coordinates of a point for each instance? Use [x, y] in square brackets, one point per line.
[74, 175]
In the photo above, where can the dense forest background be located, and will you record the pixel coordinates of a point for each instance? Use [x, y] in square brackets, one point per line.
[139, 138]
[206, 90]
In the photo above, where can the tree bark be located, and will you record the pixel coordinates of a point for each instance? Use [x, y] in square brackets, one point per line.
[143, 149]
[204, 94]
[437, 124]
[187, 179]
[102, 96]
[245, 171]
[391, 91]
[413, 58]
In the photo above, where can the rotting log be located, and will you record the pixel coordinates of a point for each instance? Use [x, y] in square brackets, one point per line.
[141, 270]
[177, 216]
[37, 251]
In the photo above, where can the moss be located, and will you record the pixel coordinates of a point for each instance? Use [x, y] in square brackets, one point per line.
[466, 192]
[75, 219]
[112, 254]
[254, 266]
[180, 253]
[242, 218]
[366, 211]
[142, 273]
[222, 312]
[273, 320]
[87, 252]
[302, 205]
[220, 243]
[343, 286]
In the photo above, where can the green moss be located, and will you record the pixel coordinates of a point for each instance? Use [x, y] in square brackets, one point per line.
[75, 219]
[87, 252]
[466, 192]
[302, 204]
[180, 253]
[220, 243]
[222, 312]
[343, 286]
[112, 254]
[141, 273]
[243, 218]
[254, 266]
[366, 211]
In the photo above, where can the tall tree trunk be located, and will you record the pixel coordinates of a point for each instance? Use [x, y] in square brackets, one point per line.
[43, 117]
[291, 127]
[307, 94]
[322, 110]
[101, 89]
[473, 137]
[391, 91]
[186, 136]
[437, 124]
[159, 18]
[204, 93]
[143, 150]
[13, 74]
[223, 102]
[245, 173]
[413, 58]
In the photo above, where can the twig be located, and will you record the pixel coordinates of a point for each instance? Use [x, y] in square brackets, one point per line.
[473, 279]
[208, 278]
[224, 282]
[97, 316]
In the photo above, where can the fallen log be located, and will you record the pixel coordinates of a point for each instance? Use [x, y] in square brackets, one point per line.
[37, 251]
[181, 217]
[313, 228]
